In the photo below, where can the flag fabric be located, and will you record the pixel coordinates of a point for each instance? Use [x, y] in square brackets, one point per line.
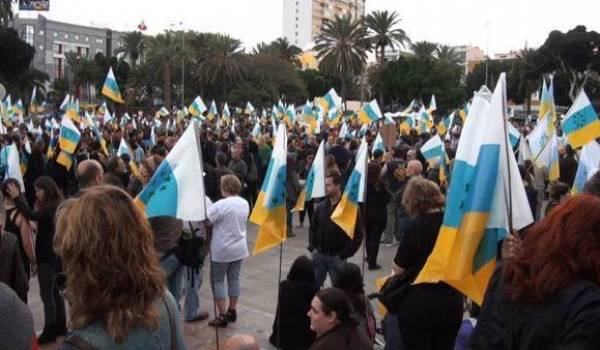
[269, 212]
[152, 136]
[524, 152]
[370, 112]
[69, 135]
[547, 107]
[308, 116]
[333, 117]
[378, 144]
[212, 111]
[73, 110]
[581, 124]
[65, 159]
[513, 135]
[249, 108]
[432, 105]
[65, 103]
[445, 124]
[177, 187]
[554, 169]
[125, 149]
[256, 131]
[280, 109]
[111, 88]
[315, 180]
[476, 216]
[539, 137]
[197, 107]
[433, 150]
[32, 102]
[290, 116]
[589, 162]
[18, 108]
[330, 100]
[346, 212]
[13, 165]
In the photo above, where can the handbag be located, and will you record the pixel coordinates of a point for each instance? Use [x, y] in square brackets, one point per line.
[394, 290]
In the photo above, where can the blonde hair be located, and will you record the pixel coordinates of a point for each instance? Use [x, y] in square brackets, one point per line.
[231, 184]
[112, 268]
[422, 195]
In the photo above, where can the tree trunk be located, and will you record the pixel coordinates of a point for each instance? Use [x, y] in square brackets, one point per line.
[167, 87]
[381, 63]
[343, 78]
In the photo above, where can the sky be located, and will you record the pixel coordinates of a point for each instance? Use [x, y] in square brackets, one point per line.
[499, 26]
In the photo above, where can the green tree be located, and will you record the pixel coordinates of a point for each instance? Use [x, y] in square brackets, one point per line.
[447, 54]
[476, 78]
[84, 73]
[164, 54]
[222, 63]
[527, 74]
[576, 54]
[133, 46]
[23, 85]
[316, 83]
[263, 48]
[342, 48]
[424, 49]
[383, 32]
[15, 55]
[58, 90]
[286, 51]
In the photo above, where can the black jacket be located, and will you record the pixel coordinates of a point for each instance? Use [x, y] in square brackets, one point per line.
[328, 238]
[569, 320]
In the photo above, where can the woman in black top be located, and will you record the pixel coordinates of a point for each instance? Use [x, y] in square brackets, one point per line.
[291, 328]
[430, 314]
[376, 218]
[48, 198]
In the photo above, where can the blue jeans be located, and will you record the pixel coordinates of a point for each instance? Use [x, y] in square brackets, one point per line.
[192, 282]
[391, 333]
[324, 263]
[232, 271]
[174, 273]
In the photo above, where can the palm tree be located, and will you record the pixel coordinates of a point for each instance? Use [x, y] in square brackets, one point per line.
[84, 72]
[424, 49]
[133, 46]
[383, 32]
[263, 48]
[342, 48]
[447, 54]
[24, 84]
[6, 13]
[286, 51]
[528, 74]
[223, 62]
[58, 90]
[164, 53]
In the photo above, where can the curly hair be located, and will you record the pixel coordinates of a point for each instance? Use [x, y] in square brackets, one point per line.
[421, 196]
[112, 268]
[563, 247]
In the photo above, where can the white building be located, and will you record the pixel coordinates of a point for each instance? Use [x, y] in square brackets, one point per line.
[302, 19]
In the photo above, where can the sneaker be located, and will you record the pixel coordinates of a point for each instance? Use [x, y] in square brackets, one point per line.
[220, 322]
[231, 315]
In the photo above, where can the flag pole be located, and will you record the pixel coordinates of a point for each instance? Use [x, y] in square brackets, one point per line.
[506, 148]
[278, 316]
[212, 284]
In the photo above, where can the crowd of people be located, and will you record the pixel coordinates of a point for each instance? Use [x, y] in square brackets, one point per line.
[125, 282]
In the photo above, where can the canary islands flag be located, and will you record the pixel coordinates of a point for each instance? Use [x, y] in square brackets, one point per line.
[212, 112]
[476, 216]
[370, 112]
[589, 161]
[315, 180]
[330, 100]
[378, 144]
[269, 212]
[110, 88]
[69, 135]
[581, 124]
[177, 187]
[197, 107]
[346, 212]
[290, 115]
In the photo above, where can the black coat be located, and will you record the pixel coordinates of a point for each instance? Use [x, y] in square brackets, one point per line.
[328, 238]
[291, 328]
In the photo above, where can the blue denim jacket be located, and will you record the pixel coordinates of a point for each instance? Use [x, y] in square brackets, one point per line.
[140, 337]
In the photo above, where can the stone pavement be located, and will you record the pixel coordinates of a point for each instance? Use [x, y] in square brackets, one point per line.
[258, 301]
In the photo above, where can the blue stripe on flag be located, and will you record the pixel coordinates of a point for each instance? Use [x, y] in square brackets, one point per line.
[161, 193]
[353, 186]
[277, 196]
[579, 119]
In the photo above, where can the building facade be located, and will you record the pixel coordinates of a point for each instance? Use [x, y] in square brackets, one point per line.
[303, 19]
[469, 56]
[52, 40]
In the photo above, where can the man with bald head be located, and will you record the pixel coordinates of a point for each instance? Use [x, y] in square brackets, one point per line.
[414, 168]
[89, 173]
[242, 342]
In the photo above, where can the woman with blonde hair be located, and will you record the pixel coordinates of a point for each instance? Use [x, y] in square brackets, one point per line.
[430, 314]
[115, 285]
[228, 247]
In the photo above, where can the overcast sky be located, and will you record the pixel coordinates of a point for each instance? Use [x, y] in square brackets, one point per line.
[512, 23]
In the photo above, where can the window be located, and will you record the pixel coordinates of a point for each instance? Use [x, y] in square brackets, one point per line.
[99, 51]
[41, 47]
[98, 41]
[55, 34]
[29, 31]
[58, 68]
[87, 39]
[66, 36]
[58, 49]
[76, 37]
[41, 32]
[87, 52]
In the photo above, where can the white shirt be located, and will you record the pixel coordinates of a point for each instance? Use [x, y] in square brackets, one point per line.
[229, 217]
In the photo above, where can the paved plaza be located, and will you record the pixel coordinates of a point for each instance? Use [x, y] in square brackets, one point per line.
[256, 308]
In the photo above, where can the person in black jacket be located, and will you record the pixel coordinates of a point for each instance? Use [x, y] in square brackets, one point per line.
[291, 327]
[48, 198]
[376, 202]
[329, 244]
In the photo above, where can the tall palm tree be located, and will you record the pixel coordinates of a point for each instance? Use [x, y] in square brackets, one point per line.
[24, 84]
[286, 51]
[447, 54]
[6, 13]
[424, 49]
[58, 90]
[383, 32]
[263, 48]
[133, 46]
[528, 75]
[164, 53]
[342, 48]
[223, 62]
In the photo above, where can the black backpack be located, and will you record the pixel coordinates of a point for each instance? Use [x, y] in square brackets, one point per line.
[191, 249]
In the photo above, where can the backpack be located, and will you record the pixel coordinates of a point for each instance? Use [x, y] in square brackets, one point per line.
[191, 249]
